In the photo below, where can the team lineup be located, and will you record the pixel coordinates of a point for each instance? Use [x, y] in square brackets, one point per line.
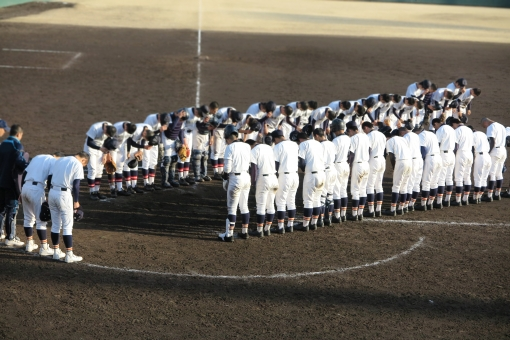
[425, 134]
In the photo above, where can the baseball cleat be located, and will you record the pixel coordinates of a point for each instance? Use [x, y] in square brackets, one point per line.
[456, 204]
[129, 190]
[343, 218]
[335, 219]
[389, 213]
[45, 250]
[14, 243]
[190, 180]
[31, 246]
[166, 185]
[175, 184]
[138, 190]
[360, 217]
[101, 196]
[93, 196]
[198, 180]
[267, 232]
[58, 254]
[70, 257]
[313, 227]
[305, 229]
[327, 221]
[473, 201]
[438, 206]
[430, 207]
[281, 231]
[446, 204]
[123, 193]
[320, 222]
[420, 207]
[148, 188]
[465, 202]
[244, 236]
[206, 178]
[223, 237]
[378, 213]
[289, 229]
[400, 212]
[369, 214]
[155, 187]
[405, 210]
[487, 198]
[256, 233]
[497, 197]
[113, 193]
[353, 218]
[217, 176]
[505, 194]
[183, 182]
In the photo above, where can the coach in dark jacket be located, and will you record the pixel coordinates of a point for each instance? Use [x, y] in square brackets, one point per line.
[12, 164]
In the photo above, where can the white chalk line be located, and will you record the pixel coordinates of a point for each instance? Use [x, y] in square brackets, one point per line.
[439, 222]
[27, 67]
[35, 51]
[199, 52]
[73, 59]
[272, 276]
[67, 65]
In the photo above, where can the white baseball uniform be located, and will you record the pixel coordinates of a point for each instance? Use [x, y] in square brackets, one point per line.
[432, 163]
[464, 156]
[447, 138]
[237, 163]
[399, 147]
[377, 162]
[498, 153]
[330, 171]
[413, 187]
[122, 137]
[218, 146]
[313, 182]
[95, 165]
[360, 171]
[155, 125]
[342, 144]
[413, 90]
[286, 154]
[482, 162]
[266, 182]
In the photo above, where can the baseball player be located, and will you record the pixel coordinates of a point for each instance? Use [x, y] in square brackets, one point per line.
[12, 162]
[173, 132]
[263, 177]
[63, 199]
[136, 143]
[339, 106]
[383, 103]
[285, 154]
[125, 130]
[457, 87]
[418, 90]
[401, 160]
[200, 153]
[359, 155]
[439, 102]
[463, 162]
[237, 183]
[224, 116]
[96, 136]
[481, 165]
[289, 121]
[331, 177]
[432, 164]
[194, 114]
[36, 174]
[342, 144]
[402, 112]
[276, 119]
[311, 162]
[497, 141]
[465, 103]
[377, 164]
[158, 123]
[321, 118]
[259, 110]
[304, 117]
[250, 128]
[413, 187]
[447, 139]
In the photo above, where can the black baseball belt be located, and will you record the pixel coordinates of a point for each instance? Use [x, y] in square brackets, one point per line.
[59, 188]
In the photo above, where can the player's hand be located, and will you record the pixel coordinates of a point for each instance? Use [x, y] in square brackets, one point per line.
[128, 155]
[469, 112]
[298, 129]
[76, 205]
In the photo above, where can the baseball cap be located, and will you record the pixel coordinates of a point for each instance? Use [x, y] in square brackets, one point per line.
[351, 125]
[277, 134]
[3, 125]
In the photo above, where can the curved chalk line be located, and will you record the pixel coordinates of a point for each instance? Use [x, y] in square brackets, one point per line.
[272, 276]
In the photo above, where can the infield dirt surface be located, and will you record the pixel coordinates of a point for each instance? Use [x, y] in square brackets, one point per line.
[452, 285]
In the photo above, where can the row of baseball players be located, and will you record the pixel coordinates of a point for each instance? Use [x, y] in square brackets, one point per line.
[436, 163]
[201, 130]
[58, 174]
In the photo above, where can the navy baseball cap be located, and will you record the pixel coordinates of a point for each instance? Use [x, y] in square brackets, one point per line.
[3, 125]
[277, 134]
[351, 125]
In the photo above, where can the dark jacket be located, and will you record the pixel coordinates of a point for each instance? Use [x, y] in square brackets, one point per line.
[12, 162]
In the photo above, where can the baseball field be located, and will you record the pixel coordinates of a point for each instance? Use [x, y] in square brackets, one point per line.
[152, 266]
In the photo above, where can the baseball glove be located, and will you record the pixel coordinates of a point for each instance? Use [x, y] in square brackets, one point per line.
[184, 152]
[45, 214]
[110, 166]
[78, 214]
[139, 155]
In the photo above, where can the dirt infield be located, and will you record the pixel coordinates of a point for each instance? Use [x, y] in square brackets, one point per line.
[452, 284]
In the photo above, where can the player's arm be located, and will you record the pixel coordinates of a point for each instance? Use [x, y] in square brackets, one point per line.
[76, 193]
[253, 173]
[423, 151]
[48, 182]
[301, 164]
[392, 159]
[492, 143]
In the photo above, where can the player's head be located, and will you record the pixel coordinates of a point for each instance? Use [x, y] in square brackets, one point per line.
[302, 105]
[396, 98]
[16, 131]
[460, 83]
[360, 110]
[337, 126]
[345, 105]
[251, 142]
[485, 122]
[436, 123]
[3, 127]
[319, 134]
[213, 107]
[312, 105]
[409, 101]
[110, 130]
[58, 154]
[448, 94]
[277, 136]
[433, 87]
[302, 137]
[370, 102]
[82, 157]
[385, 98]
[418, 104]
[455, 122]
[424, 84]
[163, 118]
[476, 91]
[130, 128]
[330, 114]
[270, 106]
[230, 133]
[286, 110]
[235, 115]
[367, 127]
[352, 128]
[402, 131]
[254, 124]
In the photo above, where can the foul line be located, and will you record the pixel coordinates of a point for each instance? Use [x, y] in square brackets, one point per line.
[35, 51]
[27, 67]
[439, 222]
[70, 62]
[273, 276]
[199, 52]
[67, 65]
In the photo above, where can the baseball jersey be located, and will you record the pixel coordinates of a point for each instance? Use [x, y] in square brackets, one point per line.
[380, 108]
[65, 171]
[465, 99]
[286, 153]
[201, 140]
[480, 142]
[464, 137]
[377, 143]
[122, 135]
[399, 147]
[342, 144]
[329, 153]
[438, 96]
[96, 132]
[335, 106]
[320, 118]
[242, 125]
[413, 91]
[222, 115]
[446, 136]
[413, 140]
[237, 157]
[153, 121]
[428, 140]
[189, 124]
[498, 132]
[262, 156]
[452, 88]
[137, 136]
[360, 145]
[40, 168]
[313, 154]
[273, 122]
[254, 110]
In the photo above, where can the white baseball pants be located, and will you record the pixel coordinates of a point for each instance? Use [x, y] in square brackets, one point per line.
[375, 177]
[342, 179]
[150, 158]
[498, 157]
[95, 166]
[237, 193]
[313, 184]
[33, 197]
[481, 169]
[359, 178]
[446, 173]
[286, 194]
[62, 212]
[416, 174]
[265, 193]
[463, 164]
[218, 146]
[401, 175]
[431, 168]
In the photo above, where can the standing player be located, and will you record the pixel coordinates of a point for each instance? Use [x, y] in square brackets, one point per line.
[158, 123]
[377, 163]
[463, 162]
[432, 164]
[359, 155]
[413, 186]
[342, 144]
[236, 182]
[400, 157]
[263, 177]
[38, 172]
[173, 132]
[286, 163]
[12, 162]
[447, 139]
[497, 141]
[125, 130]
[482, 164]
[200, 153]
[138, 142]
[63, 200]
[96, 136]
[311, 162]
[330, 171]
